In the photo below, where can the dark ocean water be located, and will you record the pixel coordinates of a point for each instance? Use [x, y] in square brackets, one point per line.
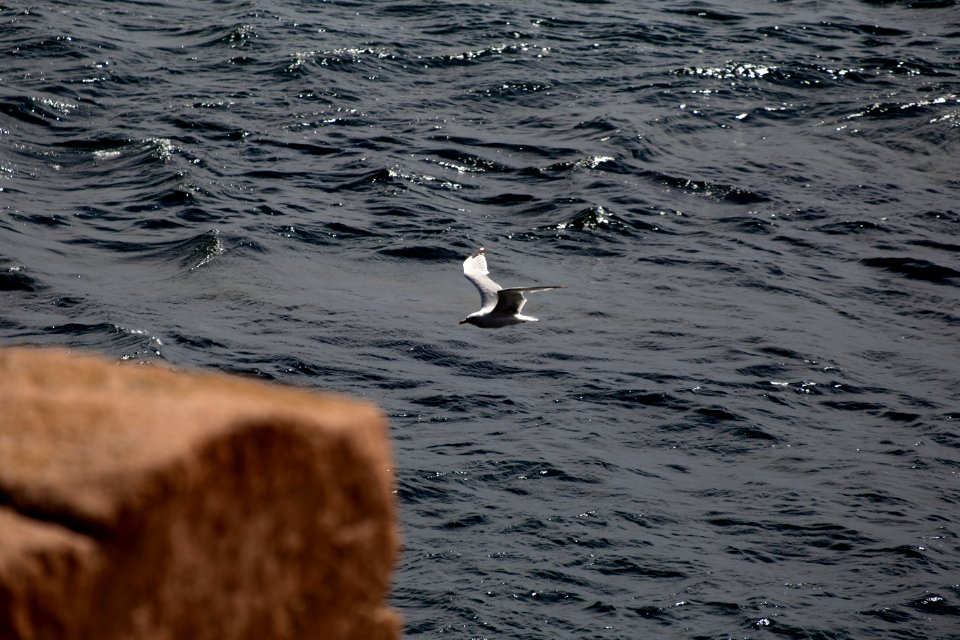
[739, 419]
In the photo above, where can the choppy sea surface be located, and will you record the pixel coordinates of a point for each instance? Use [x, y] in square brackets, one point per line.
[740, 417]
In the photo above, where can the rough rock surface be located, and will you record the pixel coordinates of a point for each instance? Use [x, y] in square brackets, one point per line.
[139, 502]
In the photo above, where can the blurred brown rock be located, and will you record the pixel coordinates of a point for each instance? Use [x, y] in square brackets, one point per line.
[139, 502]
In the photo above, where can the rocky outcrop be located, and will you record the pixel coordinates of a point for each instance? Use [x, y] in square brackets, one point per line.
[139, 502]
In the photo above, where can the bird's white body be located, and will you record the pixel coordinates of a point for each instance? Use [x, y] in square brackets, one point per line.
[499, 307]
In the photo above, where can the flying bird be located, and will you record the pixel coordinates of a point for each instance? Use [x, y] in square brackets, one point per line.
[499, 307]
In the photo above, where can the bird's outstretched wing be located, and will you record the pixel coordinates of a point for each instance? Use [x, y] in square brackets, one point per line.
[475, 269]
[511, 301]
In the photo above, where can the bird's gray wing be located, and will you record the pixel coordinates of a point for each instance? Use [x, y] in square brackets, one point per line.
[511, 301]
[475, 269]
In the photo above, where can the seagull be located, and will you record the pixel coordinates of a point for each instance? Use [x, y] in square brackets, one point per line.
[499, 307]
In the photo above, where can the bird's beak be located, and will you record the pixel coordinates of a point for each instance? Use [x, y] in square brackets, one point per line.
[464, 321]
